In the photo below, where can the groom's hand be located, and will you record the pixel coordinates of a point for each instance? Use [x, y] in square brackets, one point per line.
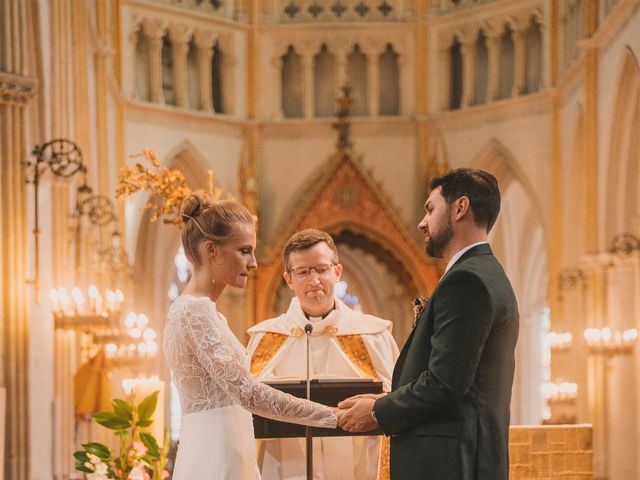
[358, 418]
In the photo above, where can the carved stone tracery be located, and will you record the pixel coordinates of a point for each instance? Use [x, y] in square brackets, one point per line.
[16, 90]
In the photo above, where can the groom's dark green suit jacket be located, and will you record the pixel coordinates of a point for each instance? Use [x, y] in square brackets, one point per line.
[448, 411]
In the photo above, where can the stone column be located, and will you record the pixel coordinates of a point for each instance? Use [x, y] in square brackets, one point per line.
[134, 37]
[16, 91]
[373, 81]
[403, 83]
[180, 36]
[277, 65]
[308, 90]
[204, 41]
[519, 62]
[154, 31]
[468, 50]
[227, 75]
[493, 76]
[547, 56]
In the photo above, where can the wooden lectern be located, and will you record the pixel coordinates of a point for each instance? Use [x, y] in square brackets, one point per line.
[326, 391]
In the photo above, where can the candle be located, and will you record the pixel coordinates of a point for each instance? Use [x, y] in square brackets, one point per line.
[93, 294]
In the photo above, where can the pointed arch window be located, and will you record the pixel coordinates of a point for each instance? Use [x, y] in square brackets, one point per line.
[193, 81]
[292, 84]
[455, 74]
[324, 82]
[142, 77]
[357, 75]
[217, 62]
[168, 88]
[389, 82]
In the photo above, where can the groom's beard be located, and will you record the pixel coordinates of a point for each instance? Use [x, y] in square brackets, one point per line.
[438, 242]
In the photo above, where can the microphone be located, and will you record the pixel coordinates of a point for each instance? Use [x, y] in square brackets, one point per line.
[308, 328]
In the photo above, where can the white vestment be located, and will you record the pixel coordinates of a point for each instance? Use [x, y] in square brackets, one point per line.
[344, 458]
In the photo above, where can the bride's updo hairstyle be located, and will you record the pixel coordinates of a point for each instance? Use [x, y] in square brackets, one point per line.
[204, 218]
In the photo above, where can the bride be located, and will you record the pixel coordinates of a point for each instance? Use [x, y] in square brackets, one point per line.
[217, 393]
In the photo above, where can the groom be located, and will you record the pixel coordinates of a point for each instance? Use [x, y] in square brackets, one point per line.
[448, 411]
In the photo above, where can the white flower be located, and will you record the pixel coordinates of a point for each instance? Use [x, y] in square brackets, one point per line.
[136, 473]
[102, 468]
[99, 468]
[97, 476]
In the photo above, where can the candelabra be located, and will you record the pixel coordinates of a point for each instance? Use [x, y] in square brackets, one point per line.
[74, 311]
[610, 342]
[559, 342]
[560, 392]
[131, 346]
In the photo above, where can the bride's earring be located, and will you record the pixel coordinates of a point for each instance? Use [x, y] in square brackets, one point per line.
[211, 251]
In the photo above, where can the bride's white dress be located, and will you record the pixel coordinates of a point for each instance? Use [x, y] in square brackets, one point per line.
[217, 394]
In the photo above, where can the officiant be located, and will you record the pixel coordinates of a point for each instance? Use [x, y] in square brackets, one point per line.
[344, 343]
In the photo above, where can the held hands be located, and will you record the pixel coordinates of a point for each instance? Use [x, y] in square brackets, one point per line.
[354, 413]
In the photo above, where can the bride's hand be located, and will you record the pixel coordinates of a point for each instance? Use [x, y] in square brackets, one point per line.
[338, 412]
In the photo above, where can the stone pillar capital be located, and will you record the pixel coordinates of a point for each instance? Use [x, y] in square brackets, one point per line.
[493, 29]
[445, 40]
[153, 29]
[179, 34]
[468, 37]
[204, 39]
[518, 24]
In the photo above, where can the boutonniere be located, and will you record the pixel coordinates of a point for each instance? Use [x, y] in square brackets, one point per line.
[418, 306]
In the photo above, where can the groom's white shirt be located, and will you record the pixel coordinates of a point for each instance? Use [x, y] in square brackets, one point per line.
[339, 457]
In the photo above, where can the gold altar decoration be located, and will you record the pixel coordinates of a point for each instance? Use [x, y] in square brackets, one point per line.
[167, 186]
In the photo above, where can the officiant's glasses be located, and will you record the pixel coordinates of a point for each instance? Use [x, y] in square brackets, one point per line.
[303, 273]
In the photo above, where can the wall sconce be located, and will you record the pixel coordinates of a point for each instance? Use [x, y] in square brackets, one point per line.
[559, 392]
[624, 244]
[559, 342]
[610, 342]
[64, 159]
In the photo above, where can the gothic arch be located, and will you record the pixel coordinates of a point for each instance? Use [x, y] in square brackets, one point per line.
[623, 187]
[519, 240]
[157, 242]
[343, 200]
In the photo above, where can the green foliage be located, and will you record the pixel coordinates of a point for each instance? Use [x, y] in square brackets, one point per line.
[148, 406]
[137, 449]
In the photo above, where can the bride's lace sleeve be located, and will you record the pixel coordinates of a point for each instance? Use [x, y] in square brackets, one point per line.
[234, 379]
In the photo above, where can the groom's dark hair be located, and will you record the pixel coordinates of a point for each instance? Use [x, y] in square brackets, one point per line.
[480, 187]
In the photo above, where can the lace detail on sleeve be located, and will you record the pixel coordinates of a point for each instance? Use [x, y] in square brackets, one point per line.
[228, 374]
